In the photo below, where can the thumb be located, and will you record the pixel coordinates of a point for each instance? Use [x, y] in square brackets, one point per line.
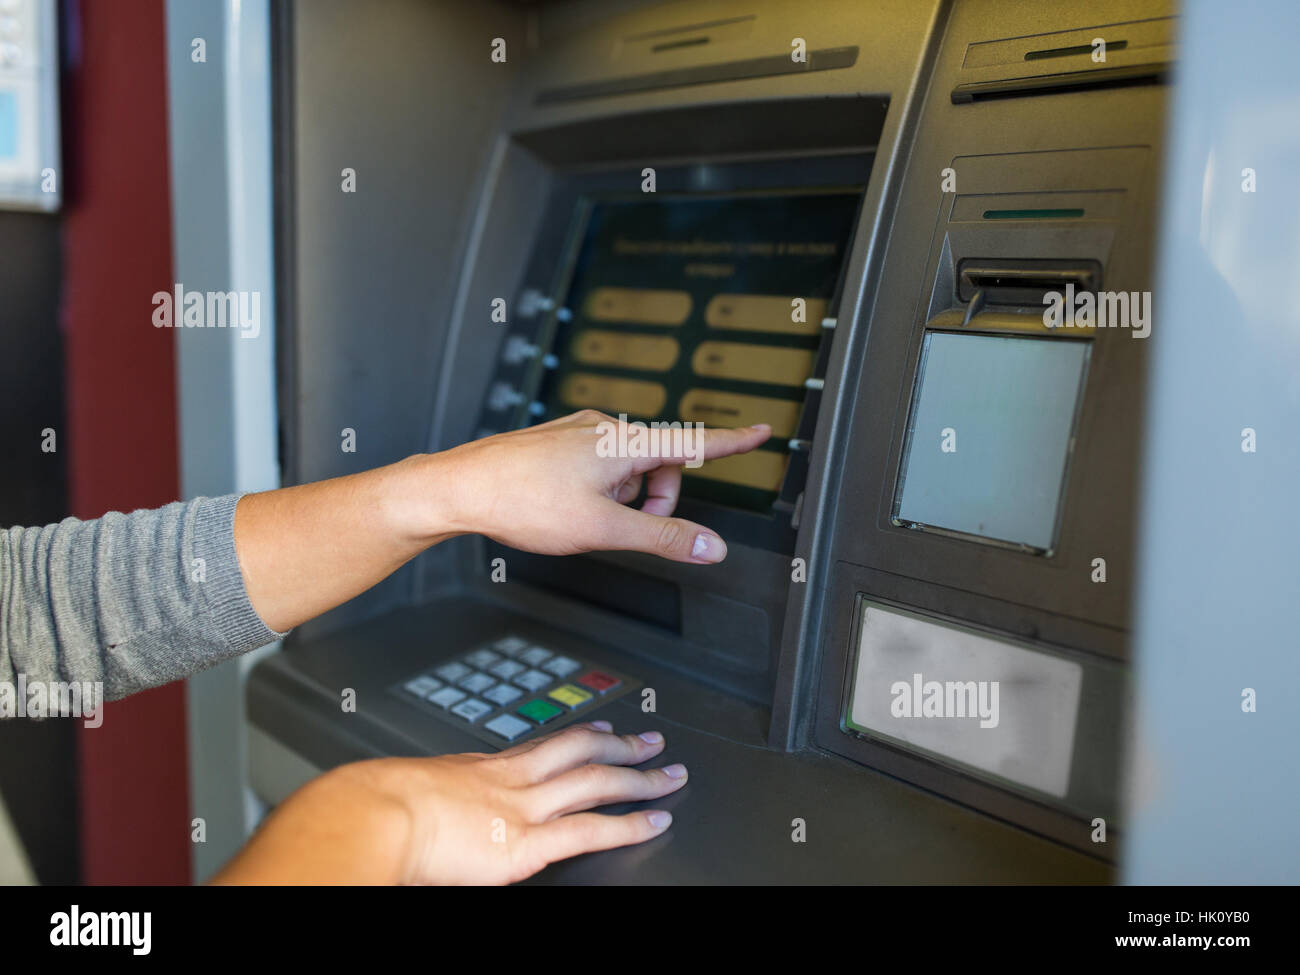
[675, 539]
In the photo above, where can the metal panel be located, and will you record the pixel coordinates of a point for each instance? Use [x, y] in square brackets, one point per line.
[221, 214]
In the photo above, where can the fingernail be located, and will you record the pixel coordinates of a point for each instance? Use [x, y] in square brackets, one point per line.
[762, 426]
[708, 548]
[675, 771]
[651, 737]
[602, 726]
[659, 819]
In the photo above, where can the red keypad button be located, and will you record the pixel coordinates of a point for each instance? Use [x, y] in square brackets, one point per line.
[599, 682]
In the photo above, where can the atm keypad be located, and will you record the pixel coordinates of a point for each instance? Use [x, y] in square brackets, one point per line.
[511, 687]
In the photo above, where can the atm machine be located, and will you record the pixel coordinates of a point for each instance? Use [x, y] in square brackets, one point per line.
[843, 219]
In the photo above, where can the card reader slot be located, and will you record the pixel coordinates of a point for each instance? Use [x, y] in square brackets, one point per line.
[1003, 282]
[1091, 79]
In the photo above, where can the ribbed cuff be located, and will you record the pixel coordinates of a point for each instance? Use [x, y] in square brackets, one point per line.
[231, 612]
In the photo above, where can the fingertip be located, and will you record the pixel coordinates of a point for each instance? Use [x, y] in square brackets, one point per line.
[651, 737]
[602, 725]
[755, 436]
[708, 548]
[659, 819]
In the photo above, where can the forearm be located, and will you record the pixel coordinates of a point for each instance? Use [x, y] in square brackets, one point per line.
[337, 829]
[306, 549]
[128, 601]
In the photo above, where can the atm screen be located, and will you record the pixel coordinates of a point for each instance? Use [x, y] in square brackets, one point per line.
[990, 435]
[704, 309]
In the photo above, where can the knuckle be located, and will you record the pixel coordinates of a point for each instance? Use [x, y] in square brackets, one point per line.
[525, 856]
[592, 778]
[670, 537]
[503, 768]
[579, 734]
[530, 808]
[588, 832]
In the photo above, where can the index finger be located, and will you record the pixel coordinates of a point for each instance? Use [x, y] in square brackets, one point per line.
[692, 445]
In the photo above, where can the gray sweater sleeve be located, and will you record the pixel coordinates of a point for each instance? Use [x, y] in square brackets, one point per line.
[132, 601]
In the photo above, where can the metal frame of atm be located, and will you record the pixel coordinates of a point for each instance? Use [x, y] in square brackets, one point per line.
[910, 54]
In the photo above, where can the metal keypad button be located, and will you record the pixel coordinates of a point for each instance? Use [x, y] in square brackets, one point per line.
[452, 672]
[535, 656]
[561, 666]
[533, 680]
[503, 694]
[446, 697]
[472, 710]
[477, 683]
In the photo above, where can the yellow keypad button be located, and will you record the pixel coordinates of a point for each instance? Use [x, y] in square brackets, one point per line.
[570, 696]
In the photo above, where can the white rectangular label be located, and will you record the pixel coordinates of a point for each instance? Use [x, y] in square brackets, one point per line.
[991, 705]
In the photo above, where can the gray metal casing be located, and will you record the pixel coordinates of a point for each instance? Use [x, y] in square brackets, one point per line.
[425, 247]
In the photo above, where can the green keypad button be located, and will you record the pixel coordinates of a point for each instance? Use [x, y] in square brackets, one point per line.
[540, 711]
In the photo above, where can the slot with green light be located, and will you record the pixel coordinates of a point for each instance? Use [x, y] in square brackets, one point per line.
[1067, 213]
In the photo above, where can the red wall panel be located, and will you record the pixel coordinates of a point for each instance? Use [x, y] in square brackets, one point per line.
[121, 414]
